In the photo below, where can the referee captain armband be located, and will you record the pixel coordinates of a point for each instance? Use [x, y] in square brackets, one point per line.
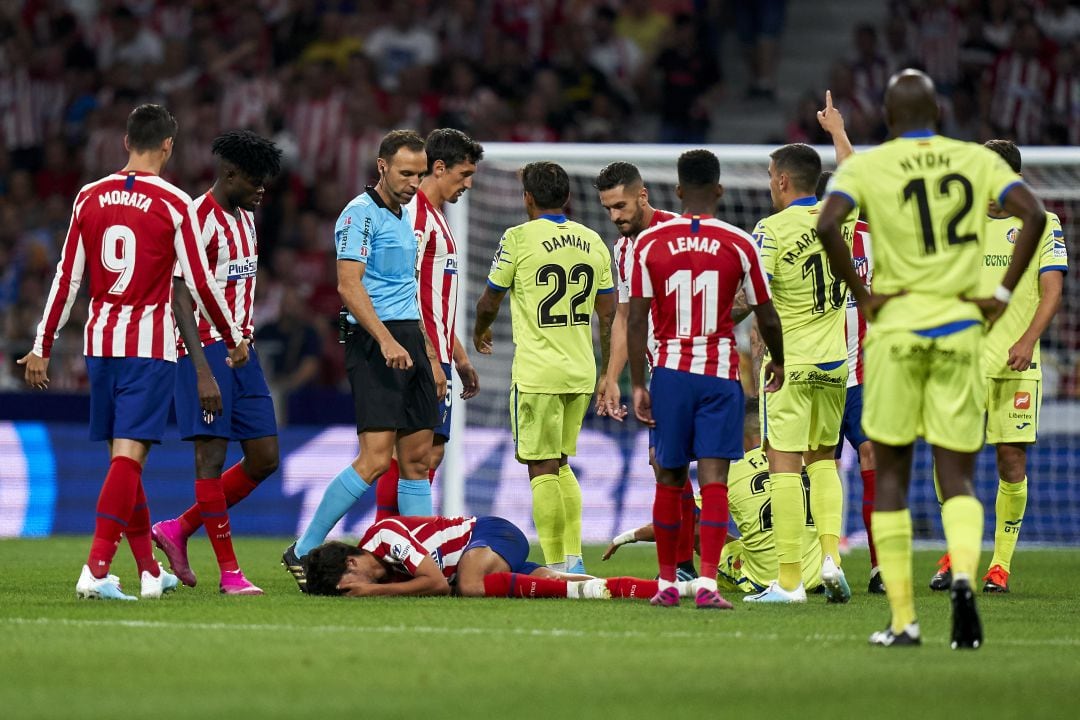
[1002, 294]
[624, 538]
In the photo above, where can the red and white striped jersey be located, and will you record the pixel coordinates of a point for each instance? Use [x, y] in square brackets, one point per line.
[623, 253]
[232, 255]
[354, 161]
[404, 542]
[249, 100]
[1067, 105]
[437, 271]
[862, 259]
[317, 124]
[1021, 90]
[692, 268]
[127, 233]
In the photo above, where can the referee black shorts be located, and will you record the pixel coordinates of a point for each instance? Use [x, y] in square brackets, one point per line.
[385, 398]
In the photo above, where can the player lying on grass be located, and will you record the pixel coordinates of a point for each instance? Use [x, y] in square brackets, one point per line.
[473, 557]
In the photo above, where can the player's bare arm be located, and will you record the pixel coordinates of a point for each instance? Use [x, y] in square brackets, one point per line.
[607, 388]
[183, 306]
[832, 122]
[606, 309]
[645, 533]
[740, 308]
[637, 330]
[436, 366]
[837, 208]
[772, 334]
[470, 379]
[428, 580]
[487, 309]
[1051, 285]
[357, 301]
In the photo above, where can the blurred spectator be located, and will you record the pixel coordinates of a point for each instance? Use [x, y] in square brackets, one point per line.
[643, 25]
[289, 349]
[689, 84]
[1065, 119]
[1020, 87]
[898, 52]
[760, 25]
[616, 56]
[938, 41]
[402, 44]
[869, 68]
[130, 42]
[999, 23]
[1059, 21]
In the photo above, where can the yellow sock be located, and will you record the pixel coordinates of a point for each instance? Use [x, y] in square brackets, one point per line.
[962, 518]
[571, 497]
[789, 519]
[1009, 508]
[826, 505]
[549, 516]
[892, 538]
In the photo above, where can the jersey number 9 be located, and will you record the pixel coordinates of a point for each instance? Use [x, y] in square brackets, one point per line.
[118, 255]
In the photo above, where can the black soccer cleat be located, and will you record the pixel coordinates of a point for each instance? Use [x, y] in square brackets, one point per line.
[876, 586]
[686, 571]
[295, 567]
[887, 638]
[942, 579]
[966, 627]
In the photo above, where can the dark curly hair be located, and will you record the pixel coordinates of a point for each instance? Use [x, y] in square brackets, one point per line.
[253, 155]
[698, 168]
[325, 565]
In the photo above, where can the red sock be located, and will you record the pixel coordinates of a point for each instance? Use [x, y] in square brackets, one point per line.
[138, 535]
[714, 522]
[516, 585]
[869, 481]
[114, 507]
[632, 587]
[686, 530]
[211, 500]
[386, 493]
[235, 483]
[667, 517]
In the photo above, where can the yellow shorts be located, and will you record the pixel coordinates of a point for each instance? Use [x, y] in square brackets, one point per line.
[807, 412]
[735, 572]
[546, 426]
[1012, 409]
[931, 387]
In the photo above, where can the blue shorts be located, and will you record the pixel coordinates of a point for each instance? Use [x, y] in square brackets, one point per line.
[505, 539]
[247, 411]
[697, 416]
[851, 427]
[125, 397]
[445, 407]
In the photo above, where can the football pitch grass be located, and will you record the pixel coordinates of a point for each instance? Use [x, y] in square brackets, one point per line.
[197, 654]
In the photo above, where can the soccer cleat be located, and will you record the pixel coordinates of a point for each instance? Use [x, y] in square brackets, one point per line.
[106, 588]
[154, 587]
[686, 571]
[942, 579]
[171, 540]
[776, 594]
[711, 600]
[997, 580]
[233, 582]
[876, 586]
[668, 597]
[595, 589]
[966, 627]
[836, 585]
[295, 567]
[578, 568]
[887, 638]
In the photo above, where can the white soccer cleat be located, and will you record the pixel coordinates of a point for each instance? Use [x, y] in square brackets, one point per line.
[155, 587]
[595, 589]
[776, 594]
[106, 588]
[836, 585]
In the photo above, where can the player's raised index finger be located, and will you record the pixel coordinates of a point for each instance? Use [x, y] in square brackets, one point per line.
[828, 100]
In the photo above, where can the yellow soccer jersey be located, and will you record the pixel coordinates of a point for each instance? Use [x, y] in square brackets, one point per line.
[925, 196]
[1001, 236]
[553, 269]
[810, 301]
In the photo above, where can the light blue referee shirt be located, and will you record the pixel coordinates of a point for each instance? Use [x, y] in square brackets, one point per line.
[369, 232]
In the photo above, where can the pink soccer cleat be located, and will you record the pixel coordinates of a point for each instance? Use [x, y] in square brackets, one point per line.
[234, 583]
[668, 597]
[171, 540]
[711, 600]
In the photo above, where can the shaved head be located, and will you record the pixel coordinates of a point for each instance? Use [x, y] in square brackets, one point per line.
[910, 102]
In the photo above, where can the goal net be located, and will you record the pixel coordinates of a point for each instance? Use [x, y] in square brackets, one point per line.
[482, 476]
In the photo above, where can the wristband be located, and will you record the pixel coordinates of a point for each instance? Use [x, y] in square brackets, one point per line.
[1003, 294]
[625, 538]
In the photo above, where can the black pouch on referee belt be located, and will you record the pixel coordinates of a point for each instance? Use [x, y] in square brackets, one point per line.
[344, 327]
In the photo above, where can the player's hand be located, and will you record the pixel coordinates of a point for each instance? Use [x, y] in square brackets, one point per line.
[440, 379]
[611, 550]
[209, 395]
[1020, 354]
[873, 302]
[356, 588]
[483, 342]
[37, 370]
[470, 380]
[774, 376]
[238, 356]
[643, 406]
[398, 358]
[830, 119]
[608, 396]
[991, 309]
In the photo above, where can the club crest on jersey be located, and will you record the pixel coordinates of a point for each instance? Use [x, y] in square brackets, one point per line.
[1022, 400]
[1012, 235]
[399, 551]
[244, 267]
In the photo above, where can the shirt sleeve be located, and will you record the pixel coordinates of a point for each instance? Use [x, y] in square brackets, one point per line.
[766, 244]
[845, 181]
[393, 543]
[1001, 178]
[65, 287]
[755, 280]
[1053, 254]
[353, 233]
[191, 254]
[640, 279]
[504, 264]
[604, 282]
[623, 257]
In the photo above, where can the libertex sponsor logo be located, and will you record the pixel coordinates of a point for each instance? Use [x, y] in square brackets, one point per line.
[1022, 401]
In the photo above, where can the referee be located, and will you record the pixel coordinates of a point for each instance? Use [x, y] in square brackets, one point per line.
[388, 357]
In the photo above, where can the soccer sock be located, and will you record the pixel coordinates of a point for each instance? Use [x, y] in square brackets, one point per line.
[386, 493]
[571, 497]
[962, 520]
[114, 506]
[340, 495]
[414, 497]
[714, 522]
[235, 483]
[826, 505]
[789, 518]
[210, 497]
[667, 517]
[549, 517]
[686, 530]
[893, 533]
[1009, 509]
[138, 535]
[517, 585]
[869, 482]
[632, 587]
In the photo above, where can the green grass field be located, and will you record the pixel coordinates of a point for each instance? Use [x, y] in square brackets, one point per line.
[198, 654]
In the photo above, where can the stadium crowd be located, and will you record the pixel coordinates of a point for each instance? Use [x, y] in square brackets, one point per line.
[326, 79]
